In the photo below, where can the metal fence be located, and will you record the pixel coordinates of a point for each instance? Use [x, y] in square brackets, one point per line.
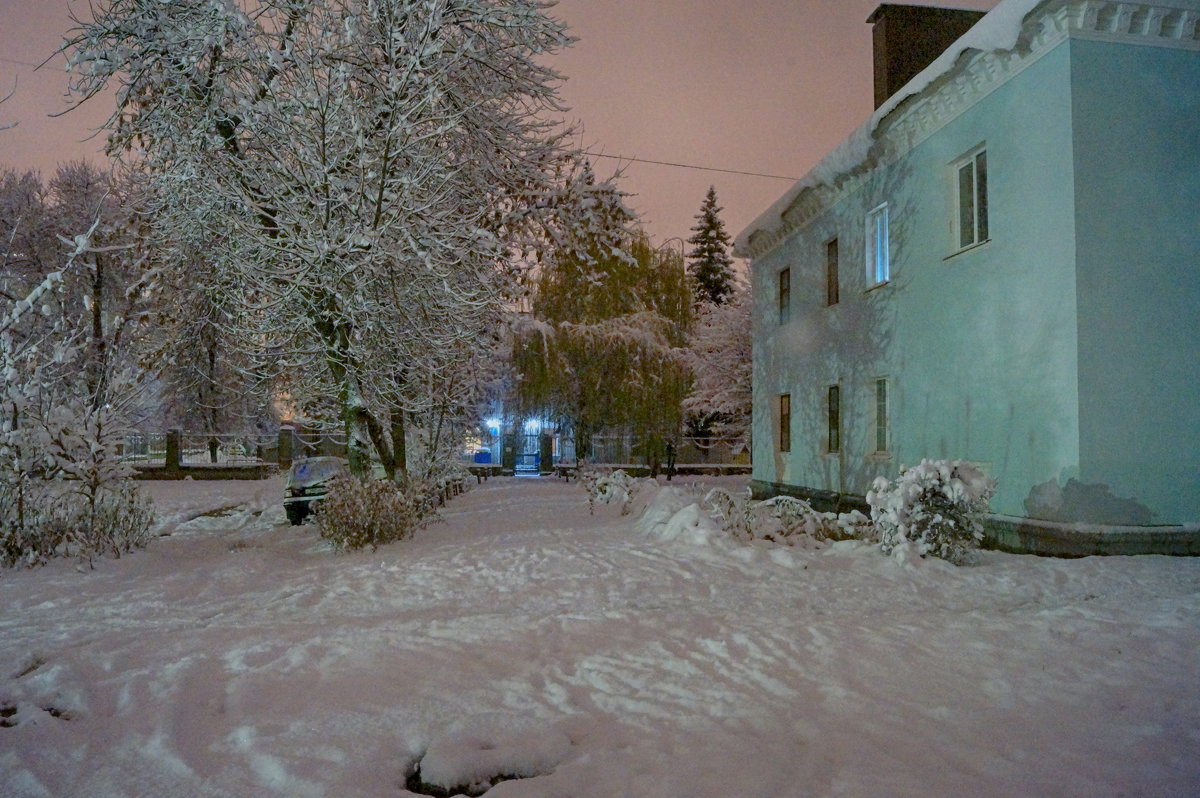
[622, 449]
[149, 448]
[611, 450]
[310, 443]
[175, 451]
[715, 451]
[198, 449]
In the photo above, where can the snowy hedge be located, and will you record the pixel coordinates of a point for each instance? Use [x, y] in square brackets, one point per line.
[782, 519]
[616, 487]
[48, 519]
[355, 514]
[938, 505]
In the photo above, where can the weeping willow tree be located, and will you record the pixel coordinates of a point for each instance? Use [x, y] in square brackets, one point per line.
[604, 346]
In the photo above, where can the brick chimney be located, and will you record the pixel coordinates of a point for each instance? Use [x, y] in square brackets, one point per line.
[908, 38]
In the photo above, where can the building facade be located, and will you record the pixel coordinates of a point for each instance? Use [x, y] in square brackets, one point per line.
[1002, 265]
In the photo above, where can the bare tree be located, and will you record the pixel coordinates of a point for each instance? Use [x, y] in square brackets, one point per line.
[721, 363]
[66, 356]
[7, 125]
[353, 171]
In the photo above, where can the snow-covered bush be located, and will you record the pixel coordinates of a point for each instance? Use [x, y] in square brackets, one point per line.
[32, 529]
[730, 511]
[60, 520]
[355, 513]
[616, 487]
[782, 519]
[117, 521]
[938, 505]
[480, 751]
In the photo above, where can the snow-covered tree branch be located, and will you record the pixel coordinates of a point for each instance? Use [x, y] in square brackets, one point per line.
[720, 359]
[353, 172]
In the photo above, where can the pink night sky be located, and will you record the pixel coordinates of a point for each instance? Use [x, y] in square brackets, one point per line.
[767, 86]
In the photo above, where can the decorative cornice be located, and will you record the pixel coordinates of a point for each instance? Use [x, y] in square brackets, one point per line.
[1167, 23]
[1158, 24]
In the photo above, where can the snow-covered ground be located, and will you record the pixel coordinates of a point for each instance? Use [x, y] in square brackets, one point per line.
[239, 657]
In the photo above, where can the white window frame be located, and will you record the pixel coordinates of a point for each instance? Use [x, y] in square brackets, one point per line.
[879, 267]
[970, 226]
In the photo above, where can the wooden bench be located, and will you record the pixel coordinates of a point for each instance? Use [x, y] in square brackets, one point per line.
[566, 471]
[449, 488]
[482, 472]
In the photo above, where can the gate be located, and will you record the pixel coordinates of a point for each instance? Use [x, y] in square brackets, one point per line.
[529, 455]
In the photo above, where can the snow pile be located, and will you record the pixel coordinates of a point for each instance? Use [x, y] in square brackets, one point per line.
[672, 514]
[615, 487]
[486, 748]
[783, 519]
[180, 505]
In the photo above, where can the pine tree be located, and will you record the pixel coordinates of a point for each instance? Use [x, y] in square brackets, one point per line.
[709, 263]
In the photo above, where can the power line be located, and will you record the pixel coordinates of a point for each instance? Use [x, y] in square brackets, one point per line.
[15, 61]
[691, 166]
[602, 155]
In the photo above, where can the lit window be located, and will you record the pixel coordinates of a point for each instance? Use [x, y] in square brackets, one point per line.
[831, 272]
[835, 418]
[878, 266]
[881, 414]
[785, 295]
[785, 422]
[971, 184]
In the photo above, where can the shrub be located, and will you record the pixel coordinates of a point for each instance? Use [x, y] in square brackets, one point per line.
[35, 534]
[782, 519]
[616, 487]
[355, 514]
[120, 521]
[938, 505]
[56, 522]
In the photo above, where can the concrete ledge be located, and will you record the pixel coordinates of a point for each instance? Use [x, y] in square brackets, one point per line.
[1026, 535]
[261, 471]
[681, 469]
[1057, 539]
[823, 501]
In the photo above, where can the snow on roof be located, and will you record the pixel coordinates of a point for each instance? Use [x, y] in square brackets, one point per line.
[998, 30]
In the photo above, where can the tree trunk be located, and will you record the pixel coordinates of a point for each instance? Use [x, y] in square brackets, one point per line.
[399, 447]
[96, 366]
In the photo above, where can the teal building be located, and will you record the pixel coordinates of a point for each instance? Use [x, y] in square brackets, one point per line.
[1001, 265]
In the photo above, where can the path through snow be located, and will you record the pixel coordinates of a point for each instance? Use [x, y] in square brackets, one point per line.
[238, 656]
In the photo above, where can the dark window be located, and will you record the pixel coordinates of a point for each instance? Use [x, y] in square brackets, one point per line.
[831, 272]
[785, 295]
[835, 418]
[785, 422]
[881, 414]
